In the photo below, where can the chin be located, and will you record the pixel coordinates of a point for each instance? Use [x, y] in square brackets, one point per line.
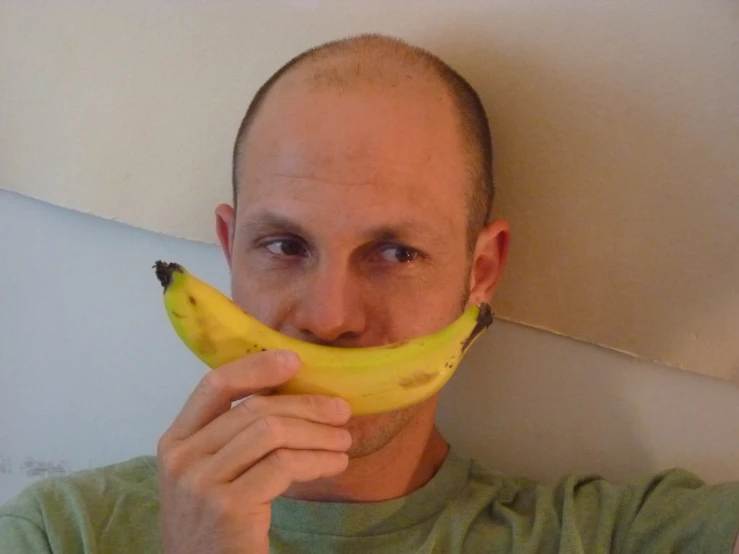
[372, 432]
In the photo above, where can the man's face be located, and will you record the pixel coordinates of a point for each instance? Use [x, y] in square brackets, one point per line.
[351, 223]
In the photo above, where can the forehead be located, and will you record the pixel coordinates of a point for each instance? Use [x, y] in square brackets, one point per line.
[360, 154]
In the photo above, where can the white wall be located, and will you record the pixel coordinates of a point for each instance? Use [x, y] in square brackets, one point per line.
[91, 372]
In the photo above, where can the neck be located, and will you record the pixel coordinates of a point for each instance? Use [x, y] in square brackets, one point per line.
[400, 467]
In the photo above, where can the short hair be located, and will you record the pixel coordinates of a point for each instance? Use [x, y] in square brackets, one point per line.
[473, 121]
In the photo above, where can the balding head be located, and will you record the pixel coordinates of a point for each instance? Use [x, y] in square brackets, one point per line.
[386, 64]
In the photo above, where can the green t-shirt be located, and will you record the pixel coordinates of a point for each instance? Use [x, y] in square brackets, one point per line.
[463, 508]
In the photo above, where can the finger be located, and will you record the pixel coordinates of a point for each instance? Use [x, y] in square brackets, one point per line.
[316, 408]
[219, 388]
[268, 434]
[271, 476]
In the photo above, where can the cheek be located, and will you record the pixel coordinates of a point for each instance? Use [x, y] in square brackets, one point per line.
[256, 289]
[424, 308]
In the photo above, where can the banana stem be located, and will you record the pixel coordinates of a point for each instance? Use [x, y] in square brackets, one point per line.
[164, 272]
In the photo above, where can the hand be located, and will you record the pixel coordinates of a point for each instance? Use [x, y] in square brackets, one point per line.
[221, 467]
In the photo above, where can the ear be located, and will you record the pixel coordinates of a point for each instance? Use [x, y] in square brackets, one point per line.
[225, 228]
[491, 252]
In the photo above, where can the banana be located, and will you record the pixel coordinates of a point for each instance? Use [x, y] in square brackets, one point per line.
[372, 379]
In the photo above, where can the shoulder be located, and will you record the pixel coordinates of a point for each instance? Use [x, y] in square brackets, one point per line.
[89, 491]
[654, 512]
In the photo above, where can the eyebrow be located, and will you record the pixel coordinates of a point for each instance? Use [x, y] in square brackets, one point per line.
[267, 221]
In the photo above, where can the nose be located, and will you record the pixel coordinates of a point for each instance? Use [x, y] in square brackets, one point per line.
[330, 310]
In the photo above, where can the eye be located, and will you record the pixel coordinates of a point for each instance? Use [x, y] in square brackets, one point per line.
[399, 254]
[285, 247]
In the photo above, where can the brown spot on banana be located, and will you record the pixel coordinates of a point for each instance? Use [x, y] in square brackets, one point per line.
[205, 345]
[417, 379]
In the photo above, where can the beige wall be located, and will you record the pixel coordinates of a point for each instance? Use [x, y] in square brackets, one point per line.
[615, 125]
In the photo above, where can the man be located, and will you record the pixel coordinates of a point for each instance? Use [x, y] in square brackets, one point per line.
[362, 194]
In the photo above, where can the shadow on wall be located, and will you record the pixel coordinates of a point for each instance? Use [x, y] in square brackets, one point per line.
[583, 425]
[621, 214]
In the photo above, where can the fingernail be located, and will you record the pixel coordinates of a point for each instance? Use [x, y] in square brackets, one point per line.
[289, 359]
[342, 406]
